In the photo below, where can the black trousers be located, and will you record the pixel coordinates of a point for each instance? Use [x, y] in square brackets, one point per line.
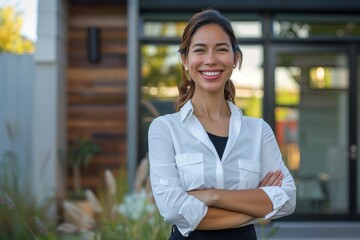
[241, 233]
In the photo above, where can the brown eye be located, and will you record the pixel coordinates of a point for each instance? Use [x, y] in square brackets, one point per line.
[223, 50]
[199, 50]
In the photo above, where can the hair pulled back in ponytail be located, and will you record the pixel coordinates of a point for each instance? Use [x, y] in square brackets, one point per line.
[186, 86]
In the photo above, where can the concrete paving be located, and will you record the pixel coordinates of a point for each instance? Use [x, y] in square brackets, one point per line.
[312, 231]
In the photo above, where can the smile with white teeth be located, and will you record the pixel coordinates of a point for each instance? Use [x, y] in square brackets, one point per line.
[210, 73]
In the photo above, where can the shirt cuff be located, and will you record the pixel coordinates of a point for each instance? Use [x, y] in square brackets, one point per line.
[193, 210]
[278, 198]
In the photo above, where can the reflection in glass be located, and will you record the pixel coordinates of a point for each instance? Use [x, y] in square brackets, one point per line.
[163, 29]
[314, 26]
[287, 85]
[311, 128]
[328, 77]
[242, 29]
[160, 74]
[247, 29]
[287, 137]
[160, 71]
[249, 81]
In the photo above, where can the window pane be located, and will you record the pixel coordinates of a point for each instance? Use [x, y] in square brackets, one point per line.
[287, 136]
[328, 78]
[242, 29]
[164, 29]
[313, 26]
[247, 29]
[160, 73]
[312, 131]
[249, 81]
[287, 85]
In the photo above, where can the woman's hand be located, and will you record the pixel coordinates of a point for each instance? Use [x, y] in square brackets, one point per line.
[208, 196]
[272, 179]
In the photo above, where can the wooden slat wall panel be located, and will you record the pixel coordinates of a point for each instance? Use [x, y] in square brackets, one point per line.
[97, 91]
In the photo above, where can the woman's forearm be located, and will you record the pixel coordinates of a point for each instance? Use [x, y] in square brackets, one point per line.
[216, 219]
[253, 202]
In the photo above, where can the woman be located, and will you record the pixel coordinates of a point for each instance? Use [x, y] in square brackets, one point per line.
[207, 159]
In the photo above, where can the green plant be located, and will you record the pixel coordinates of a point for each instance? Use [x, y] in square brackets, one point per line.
[80, 155]
[125, 214]
[270, 232]
[150, 226]
[21, 216]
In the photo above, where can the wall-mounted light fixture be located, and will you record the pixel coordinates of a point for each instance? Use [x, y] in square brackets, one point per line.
[93, 44]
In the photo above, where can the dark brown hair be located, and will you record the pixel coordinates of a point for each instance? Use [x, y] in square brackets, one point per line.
[209, 16]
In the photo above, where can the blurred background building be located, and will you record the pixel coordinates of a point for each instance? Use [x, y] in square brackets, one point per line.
[105, 68]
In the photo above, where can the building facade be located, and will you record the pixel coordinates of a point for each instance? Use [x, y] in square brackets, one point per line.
[300, 72]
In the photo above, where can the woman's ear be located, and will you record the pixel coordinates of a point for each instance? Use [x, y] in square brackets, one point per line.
[184, 61]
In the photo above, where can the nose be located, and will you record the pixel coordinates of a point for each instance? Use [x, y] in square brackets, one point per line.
[211, 58]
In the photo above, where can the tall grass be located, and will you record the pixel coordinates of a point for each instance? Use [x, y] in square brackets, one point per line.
[129, 215]
[21, 217]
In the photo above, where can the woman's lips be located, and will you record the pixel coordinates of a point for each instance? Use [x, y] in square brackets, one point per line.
[210, 75]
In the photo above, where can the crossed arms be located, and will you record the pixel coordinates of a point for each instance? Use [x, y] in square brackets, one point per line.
[232, 208]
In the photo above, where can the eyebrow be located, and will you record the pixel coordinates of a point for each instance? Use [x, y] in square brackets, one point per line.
[204, 45]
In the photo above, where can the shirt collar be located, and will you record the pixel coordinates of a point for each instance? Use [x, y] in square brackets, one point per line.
[234, 109]
[187, 109]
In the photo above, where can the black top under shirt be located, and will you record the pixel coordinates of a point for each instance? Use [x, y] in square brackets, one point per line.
[219, 143]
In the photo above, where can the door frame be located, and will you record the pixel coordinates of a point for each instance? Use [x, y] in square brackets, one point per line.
[269, 105]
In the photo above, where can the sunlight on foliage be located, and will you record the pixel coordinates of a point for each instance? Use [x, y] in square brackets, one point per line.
[10, 36]
[160, 70]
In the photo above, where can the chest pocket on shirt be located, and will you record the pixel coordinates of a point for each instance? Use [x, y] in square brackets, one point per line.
[249, 174]
[190, 168]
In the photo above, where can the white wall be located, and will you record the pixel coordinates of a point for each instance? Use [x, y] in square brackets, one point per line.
[49, 118]
[16, 93]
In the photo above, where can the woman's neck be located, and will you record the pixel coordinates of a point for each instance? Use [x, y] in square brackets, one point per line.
[210, 106]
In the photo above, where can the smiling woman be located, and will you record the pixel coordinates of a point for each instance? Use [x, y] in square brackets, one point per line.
[210, 60]
[214, 171]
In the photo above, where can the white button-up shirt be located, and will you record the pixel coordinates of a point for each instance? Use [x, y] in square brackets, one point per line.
[183, 158]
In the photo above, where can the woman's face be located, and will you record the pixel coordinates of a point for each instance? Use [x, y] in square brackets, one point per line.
[210, 60]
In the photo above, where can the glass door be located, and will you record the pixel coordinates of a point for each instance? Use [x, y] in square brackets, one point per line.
[312, 125]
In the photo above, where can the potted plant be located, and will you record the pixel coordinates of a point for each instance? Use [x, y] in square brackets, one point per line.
[80, 155]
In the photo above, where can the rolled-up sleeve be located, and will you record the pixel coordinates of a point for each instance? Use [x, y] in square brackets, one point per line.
[283, 198]
[174, 204]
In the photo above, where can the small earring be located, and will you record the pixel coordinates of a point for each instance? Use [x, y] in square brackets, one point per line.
[186, 68]
[234, 65]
